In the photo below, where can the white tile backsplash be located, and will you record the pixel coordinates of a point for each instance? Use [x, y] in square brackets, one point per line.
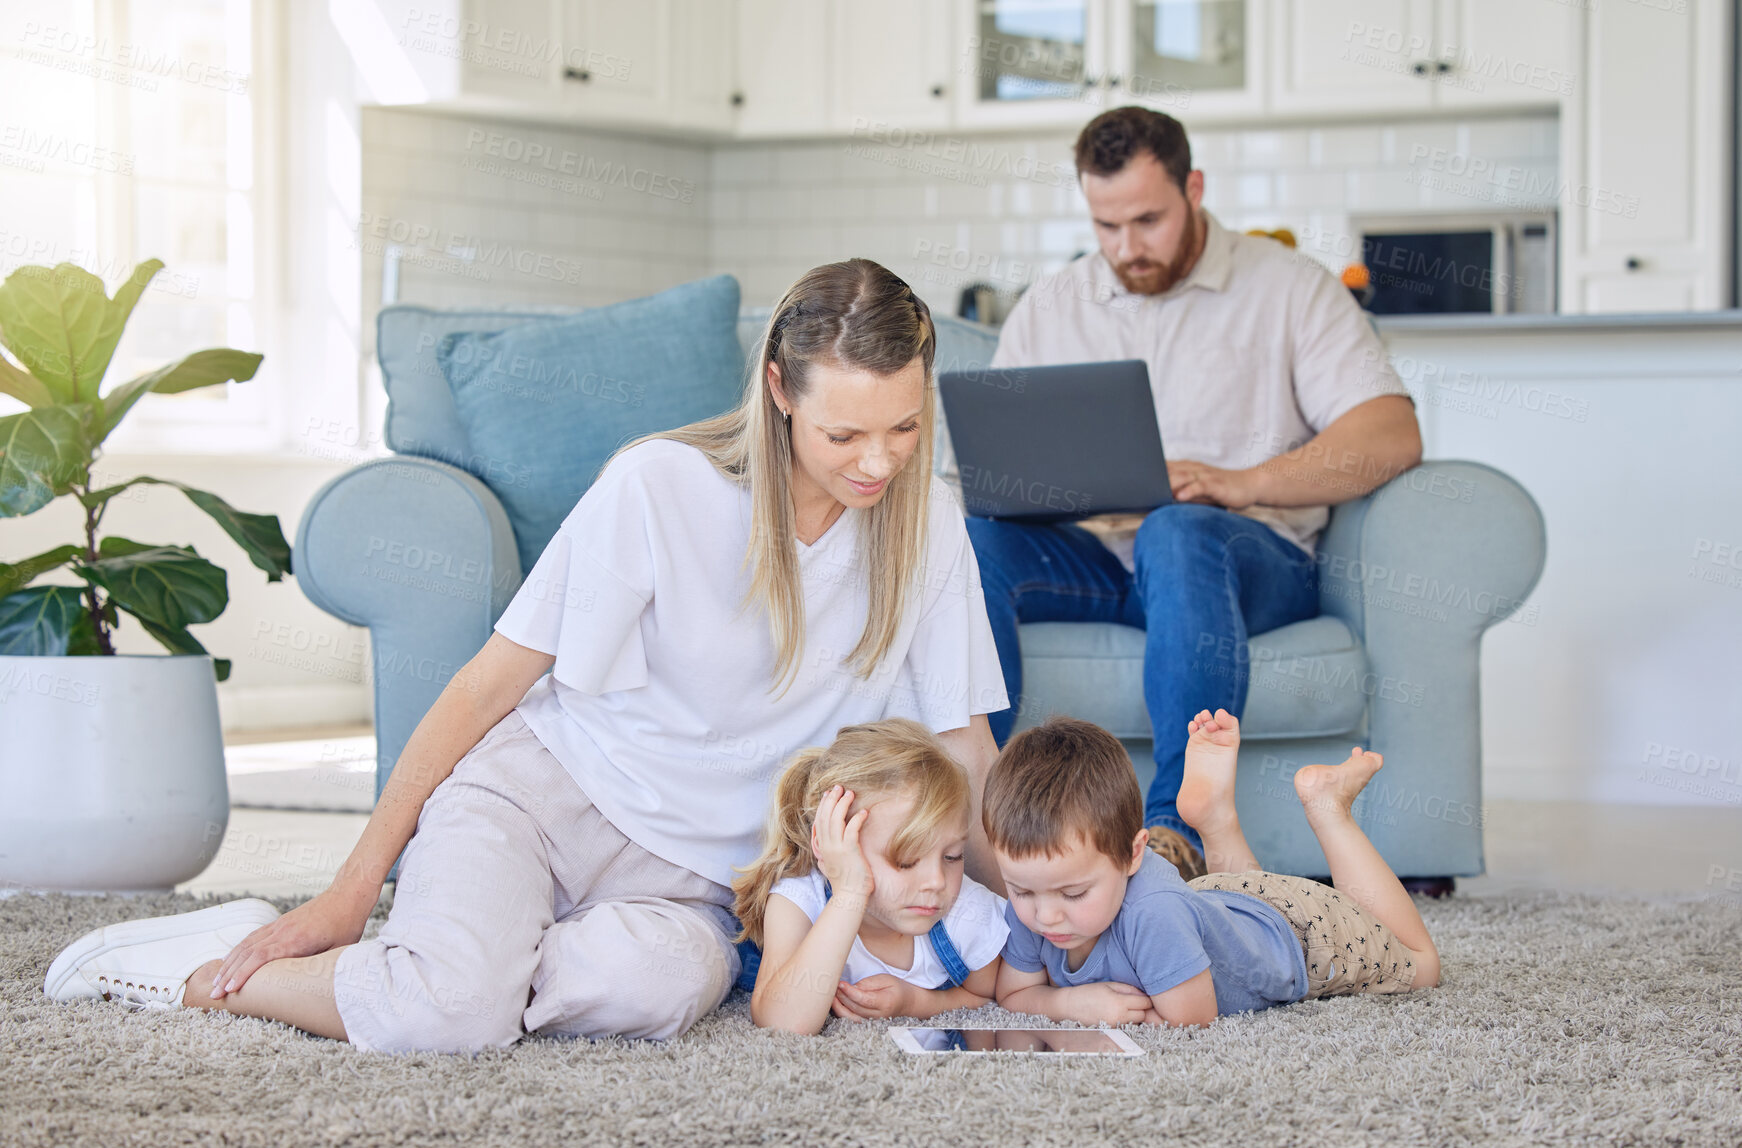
[998, 207]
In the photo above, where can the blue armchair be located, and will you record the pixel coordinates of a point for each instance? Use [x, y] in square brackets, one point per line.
[1410, 577]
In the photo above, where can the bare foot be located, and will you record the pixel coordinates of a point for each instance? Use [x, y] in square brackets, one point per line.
[1206, 792]
[1328, 791]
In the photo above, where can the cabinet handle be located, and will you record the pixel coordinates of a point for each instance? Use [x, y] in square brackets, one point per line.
[937, 91]
[1634, 263]
[737, 99]
[580, 74]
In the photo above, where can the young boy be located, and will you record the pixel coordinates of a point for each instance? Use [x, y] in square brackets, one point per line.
[1103, 931]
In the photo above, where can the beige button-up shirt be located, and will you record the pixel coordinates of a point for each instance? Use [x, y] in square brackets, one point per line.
[1255, 351]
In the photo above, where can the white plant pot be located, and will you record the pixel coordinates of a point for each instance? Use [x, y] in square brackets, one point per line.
[111, 772]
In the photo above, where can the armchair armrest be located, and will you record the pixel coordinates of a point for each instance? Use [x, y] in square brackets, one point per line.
[422, 554]
[1419, 570]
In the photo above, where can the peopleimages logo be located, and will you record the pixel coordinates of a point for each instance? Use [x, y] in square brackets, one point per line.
[467, 255]
[610, 173]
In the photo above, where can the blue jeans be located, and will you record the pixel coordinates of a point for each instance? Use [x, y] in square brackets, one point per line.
[1206, 578]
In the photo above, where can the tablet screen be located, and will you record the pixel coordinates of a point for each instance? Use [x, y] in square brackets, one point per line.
[1015, 1040]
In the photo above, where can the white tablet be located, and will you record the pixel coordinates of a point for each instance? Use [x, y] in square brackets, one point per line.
[1051, 1041]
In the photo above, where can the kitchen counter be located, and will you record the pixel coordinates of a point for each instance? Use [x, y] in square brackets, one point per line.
[1625, 430]
[1521, 324]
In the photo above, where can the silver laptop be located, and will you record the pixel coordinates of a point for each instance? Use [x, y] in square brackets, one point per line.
[1053, 444]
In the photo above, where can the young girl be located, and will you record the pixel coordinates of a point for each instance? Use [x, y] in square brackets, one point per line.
[858, 899]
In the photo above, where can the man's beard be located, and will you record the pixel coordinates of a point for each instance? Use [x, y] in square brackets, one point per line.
[1146, 277]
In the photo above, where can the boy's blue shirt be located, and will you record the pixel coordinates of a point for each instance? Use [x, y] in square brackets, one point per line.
[1166, 933]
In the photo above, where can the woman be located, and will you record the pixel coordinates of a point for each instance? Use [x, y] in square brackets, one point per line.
[725, 594]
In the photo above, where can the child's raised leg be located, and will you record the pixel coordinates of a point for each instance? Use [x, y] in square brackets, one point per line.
[1206, 792]
[1328, 792]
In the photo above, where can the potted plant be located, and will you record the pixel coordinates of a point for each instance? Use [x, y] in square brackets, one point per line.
[111, 766]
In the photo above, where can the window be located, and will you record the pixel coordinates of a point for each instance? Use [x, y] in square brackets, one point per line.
[133, 133]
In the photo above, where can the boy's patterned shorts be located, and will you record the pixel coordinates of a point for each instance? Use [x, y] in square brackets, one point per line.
[1347, 949]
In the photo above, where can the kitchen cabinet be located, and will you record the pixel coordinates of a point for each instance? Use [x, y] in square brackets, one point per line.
[658, 63]
[1644, 157]
[1194, 59]
[783, 67]
[1060, 62]
[704, 64]
[616, 65]
[891, 64]
[1368, 56]
[1035, 63]
[1505, 53]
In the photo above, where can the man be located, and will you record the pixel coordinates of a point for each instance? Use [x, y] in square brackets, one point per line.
[1275, 401]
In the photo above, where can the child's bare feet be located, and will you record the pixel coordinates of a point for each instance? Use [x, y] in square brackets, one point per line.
[1328, 791]
[1206, 792]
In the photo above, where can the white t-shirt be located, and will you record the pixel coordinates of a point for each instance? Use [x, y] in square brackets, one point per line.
[1255, 351]
[658, 703]
[975, 924]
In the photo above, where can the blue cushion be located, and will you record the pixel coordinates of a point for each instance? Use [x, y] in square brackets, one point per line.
[545, 403]
[1308, 679]
[420, 409]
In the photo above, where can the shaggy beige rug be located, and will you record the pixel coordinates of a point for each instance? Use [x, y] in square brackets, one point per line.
[1562, 1020]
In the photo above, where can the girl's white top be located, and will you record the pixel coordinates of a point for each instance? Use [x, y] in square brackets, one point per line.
[975, 924]
[659, 702]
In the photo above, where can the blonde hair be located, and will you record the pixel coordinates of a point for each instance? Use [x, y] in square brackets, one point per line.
[857, 315]
[876, 761]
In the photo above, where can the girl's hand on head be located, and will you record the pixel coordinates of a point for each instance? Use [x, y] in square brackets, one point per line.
[835, 841]
[874, 998]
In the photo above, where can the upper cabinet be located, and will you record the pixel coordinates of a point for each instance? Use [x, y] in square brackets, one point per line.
[783, 67]
[1365, 56]
[1516, 53]
[1353, 55]
[1644, 215]
[1193, 59]
[616, 64]
[1030, 62]
[704, 80]
[891, 64]
[1036, 62]
[657, 63]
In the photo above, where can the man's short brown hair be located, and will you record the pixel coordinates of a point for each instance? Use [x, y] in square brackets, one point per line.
[1059, 779]
[1112, 138]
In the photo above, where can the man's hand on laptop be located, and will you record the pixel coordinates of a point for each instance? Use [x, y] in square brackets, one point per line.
[1200, 482]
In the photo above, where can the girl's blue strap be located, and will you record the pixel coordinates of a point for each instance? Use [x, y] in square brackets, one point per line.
[954, 967]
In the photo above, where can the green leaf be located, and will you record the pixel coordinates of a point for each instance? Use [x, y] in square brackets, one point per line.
[18, 575]
[60, 323]
[177, 640]
[168, 586]
[22, 386]
[82, 642]
[200, 369]
[39, 622]
[260, 536]
[42, 453]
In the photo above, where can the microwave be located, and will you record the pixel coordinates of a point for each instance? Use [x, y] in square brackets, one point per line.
[1467, 264]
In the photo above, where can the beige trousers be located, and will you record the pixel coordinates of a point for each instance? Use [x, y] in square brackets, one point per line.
[514, 885]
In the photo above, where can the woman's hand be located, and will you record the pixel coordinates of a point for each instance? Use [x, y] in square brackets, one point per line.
[874, 998]
[329, 920]
[835, 841]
